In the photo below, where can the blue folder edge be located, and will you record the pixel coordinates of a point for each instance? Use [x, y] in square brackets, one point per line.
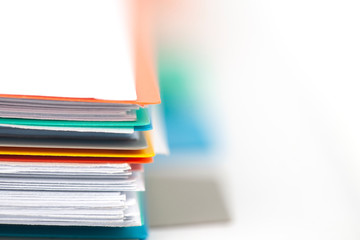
[143, 128]
[64, 232]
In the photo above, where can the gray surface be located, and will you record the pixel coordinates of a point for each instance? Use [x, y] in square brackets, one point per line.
[182, 201]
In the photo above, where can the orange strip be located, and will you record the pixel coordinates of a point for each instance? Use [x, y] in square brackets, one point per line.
[88, 160]
[70, 152]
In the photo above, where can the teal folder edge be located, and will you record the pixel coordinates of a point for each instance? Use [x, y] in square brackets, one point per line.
[143, 128]
[63, 232]
[142, 119]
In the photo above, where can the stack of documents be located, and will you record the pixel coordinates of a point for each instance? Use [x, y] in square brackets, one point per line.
[77, 79]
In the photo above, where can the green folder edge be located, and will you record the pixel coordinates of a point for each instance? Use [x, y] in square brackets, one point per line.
[63, 232]
[142, 119]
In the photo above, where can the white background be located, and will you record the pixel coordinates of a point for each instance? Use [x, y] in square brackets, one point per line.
[286, 76]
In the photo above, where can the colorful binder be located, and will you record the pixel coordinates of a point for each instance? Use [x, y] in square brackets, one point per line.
[71, 151]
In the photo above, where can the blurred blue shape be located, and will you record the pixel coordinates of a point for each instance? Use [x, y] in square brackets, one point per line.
[186, 128]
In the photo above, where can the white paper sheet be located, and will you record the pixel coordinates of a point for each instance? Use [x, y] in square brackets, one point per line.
[66, 48]
[69, 177]
[116, 209]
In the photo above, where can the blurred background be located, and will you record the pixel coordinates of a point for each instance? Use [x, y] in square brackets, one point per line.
[261, 103]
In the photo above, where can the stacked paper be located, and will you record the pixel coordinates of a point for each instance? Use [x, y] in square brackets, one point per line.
[77, 79]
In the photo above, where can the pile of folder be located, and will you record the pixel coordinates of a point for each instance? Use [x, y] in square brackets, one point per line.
[77, 78]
